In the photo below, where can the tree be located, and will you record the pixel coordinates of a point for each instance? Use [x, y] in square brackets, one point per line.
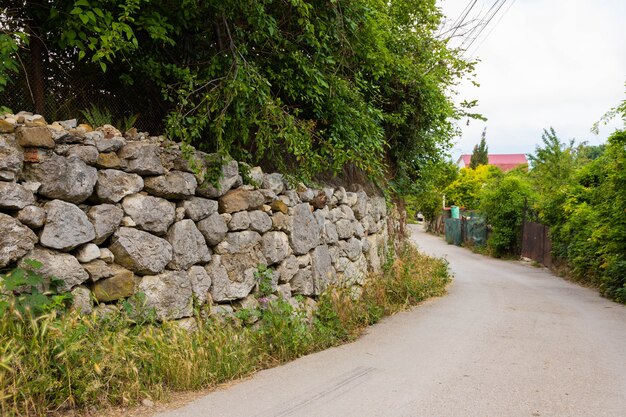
[465, 190]
[306, 85]
[480, 154]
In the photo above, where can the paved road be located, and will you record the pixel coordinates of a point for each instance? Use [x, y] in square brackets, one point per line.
[508, 340]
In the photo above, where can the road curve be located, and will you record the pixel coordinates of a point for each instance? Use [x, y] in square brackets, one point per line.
[508, 340]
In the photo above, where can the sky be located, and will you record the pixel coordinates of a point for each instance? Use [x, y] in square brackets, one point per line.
[559, 63]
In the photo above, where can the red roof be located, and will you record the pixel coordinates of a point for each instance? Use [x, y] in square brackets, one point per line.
[505, 162]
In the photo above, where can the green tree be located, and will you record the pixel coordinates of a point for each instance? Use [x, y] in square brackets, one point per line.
[306, 85]
[465, 190]
[480, 154]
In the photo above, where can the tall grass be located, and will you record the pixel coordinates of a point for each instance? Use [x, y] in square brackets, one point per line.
[54, 363]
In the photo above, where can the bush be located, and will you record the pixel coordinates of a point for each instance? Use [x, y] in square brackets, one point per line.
[503, 202]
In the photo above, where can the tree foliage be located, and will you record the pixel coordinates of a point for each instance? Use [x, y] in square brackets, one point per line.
[306, 84]
[480, 154]
[465, 190]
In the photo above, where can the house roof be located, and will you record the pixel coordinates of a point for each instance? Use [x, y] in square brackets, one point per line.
[505, 162]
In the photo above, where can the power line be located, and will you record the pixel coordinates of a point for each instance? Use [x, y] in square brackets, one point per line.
[492, 28]
[486, 24]
[461, 19]
[484, 20]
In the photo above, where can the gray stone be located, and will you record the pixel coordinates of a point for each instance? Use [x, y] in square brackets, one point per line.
[87, 253]
[140, 251]
[340, 195]
[188, 324]
[306, 232]
[306, 194]
[106, 255]
[120, 285]
[173, 185]
[239, 221]
[351, 248]
[256, 176]
[347, 212]
[105, 219]
[200, 283]
[282, 222]
[288, 268]
[61, 266]
[323, 271]
[108, 160]
[13, 196]
[260, 221]
[179, 214]
[240, 199]
[302, 283]
[274, 182]
[127, 221]
[213, 228]
[359, 230]
[169, 294]
[351, 198]
[97, 270]
[32, 216]
[151, 214]
[66, 226]
[238, 242]
[378, 208]
[32, 186]
[329, 233]
[141, 157]
[113, 144]
[188, 245]
[87, 154]
[198, 208]
[360, 208]
[113, 185]
[68, 124]
[284, 291]
[292, 198]
[229, 177]
[68, 179]
[275, 247]
[16, 240]
[81, 300]
[225, 289]
[374, 253]
[345, 229]
[35, 137]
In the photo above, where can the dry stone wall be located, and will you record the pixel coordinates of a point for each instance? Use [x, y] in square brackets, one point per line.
[113, 214]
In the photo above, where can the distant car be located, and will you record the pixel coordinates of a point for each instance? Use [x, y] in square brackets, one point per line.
[419, 216]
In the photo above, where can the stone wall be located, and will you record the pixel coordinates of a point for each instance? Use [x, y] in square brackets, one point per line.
[113, 214]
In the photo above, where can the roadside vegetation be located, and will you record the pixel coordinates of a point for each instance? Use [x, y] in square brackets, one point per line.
[578, 190]
[53, 360]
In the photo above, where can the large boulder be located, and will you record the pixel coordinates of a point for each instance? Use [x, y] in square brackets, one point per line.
[224, 287]
[141, 157]
[113, 185]
[351, 248]
[239, 221]
[188, 245]
[105, 219]
[240, 199]
[14, 196]
[302, 283]
[287, 269]
[11, 158]
[198, 208]
[149, 213]
[61, 266]
[274, 182]
[32, 216]
[306, 232]
[360, 207]
[16, 240]
[213, 228]
[169, 294]
[68, 179]
[67, 226]
[140, 251]
[173, 185]
[275, 247]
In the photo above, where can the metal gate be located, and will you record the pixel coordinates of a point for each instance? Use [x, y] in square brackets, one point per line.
[536, 243]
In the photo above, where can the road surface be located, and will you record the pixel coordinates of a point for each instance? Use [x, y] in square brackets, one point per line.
[509, 339]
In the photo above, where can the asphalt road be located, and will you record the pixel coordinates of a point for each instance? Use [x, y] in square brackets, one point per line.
[509, 339]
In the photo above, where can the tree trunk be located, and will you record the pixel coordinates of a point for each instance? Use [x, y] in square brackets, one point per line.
[37, 54]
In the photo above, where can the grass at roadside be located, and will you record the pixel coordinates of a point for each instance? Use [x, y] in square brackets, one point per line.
[55, 362]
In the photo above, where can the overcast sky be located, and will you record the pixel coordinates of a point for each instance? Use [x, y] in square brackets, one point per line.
[559, 63]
